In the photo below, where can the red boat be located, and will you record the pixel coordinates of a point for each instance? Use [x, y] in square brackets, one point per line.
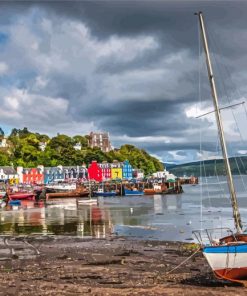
[21, 195]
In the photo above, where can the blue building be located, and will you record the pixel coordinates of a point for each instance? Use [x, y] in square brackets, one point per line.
[53, 174]
[127, 170]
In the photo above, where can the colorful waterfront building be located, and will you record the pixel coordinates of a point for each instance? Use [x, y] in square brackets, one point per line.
[75, 172]
[32, 176]
[95, 172]
[138, 174]
[106, 170]
[116, 170]
[127, 170]
[8, 173]
[53, 174]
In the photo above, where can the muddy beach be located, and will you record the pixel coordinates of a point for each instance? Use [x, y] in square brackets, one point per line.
[53, 265]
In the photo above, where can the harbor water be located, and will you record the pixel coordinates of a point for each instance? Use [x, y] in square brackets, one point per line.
[158, 217]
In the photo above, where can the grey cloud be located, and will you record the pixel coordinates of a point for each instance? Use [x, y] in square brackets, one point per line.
[107, 93]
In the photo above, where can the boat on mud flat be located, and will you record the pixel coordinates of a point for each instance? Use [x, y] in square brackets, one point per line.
[101, 192]
[78, 192]
[132, 192]
[227, 255]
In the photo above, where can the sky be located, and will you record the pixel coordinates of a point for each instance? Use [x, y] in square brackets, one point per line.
[135, 69]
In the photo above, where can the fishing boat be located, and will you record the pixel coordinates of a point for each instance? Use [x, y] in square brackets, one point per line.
[101, 192]
[157, 189]
[131, 192]
[227, 255]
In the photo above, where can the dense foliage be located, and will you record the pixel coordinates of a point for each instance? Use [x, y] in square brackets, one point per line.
[23, 150]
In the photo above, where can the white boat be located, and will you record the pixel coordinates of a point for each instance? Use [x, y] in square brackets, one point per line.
[62, 186]
[89, 201]
[227, 255]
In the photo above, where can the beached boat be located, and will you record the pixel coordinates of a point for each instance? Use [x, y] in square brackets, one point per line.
[227, 256]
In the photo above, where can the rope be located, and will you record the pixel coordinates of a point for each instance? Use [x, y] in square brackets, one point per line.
[176, 267]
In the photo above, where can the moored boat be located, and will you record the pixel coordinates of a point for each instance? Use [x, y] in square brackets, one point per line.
[134, 191]
[21, 195]
[78, 192]
[101, 192]
[157, 189]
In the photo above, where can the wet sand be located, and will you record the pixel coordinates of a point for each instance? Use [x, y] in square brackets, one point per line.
[49, 265]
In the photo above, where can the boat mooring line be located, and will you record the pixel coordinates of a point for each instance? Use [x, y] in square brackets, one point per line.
[180, 264]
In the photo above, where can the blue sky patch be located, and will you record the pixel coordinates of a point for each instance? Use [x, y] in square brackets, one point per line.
[3, 38]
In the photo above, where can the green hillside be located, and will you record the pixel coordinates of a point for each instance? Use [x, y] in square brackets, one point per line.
[23, 150]
[210, 167]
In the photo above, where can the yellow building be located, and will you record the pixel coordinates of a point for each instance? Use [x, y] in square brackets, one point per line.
[116, 173]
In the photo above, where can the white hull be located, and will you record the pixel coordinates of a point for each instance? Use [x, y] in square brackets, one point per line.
[226, 260]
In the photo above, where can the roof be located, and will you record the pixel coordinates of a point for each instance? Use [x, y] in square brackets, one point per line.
[8, 170]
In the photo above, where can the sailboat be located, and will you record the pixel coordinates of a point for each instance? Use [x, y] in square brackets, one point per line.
[226, 256]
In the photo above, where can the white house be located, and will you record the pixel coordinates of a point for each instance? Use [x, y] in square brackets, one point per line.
[42, 146]
[3, 143]
[77, 146]
[8, 173]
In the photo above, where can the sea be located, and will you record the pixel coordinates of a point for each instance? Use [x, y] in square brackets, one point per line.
[158, 217]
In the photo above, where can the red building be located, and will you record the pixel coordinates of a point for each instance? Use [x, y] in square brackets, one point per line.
[33, 176]
[106, 170]
[95, 172]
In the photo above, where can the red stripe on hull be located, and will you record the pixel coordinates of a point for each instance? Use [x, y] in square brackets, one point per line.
[232, 274]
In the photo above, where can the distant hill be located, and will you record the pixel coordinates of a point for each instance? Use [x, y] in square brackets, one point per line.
[209, 167]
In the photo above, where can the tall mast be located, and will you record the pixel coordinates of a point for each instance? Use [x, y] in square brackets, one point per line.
[236, 214]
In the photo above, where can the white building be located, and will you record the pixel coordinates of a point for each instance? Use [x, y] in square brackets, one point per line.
[3, 143]
[164, 174]
[77, 146]
[138, 174]
[42, 146]
[8, 173]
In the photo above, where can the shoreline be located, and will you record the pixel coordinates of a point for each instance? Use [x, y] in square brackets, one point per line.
[65, 265]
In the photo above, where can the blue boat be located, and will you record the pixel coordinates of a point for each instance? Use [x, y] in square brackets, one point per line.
[100, 192]
[16, 202]
[129, 192]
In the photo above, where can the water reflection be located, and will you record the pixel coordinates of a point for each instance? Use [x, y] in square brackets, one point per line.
[165, 217]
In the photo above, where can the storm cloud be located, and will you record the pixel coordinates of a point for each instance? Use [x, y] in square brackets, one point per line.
[127, 67]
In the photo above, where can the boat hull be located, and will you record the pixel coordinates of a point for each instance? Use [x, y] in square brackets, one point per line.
[152, 191]
[228, 261]
[132, 192]
[20, 196]
[67, 194]
[105, 194]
